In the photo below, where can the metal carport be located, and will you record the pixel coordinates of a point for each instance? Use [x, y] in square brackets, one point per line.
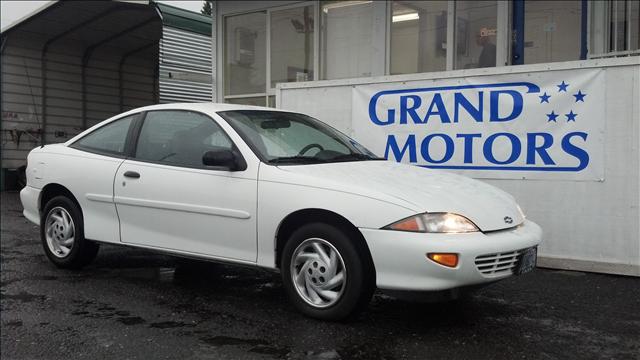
[73, 64]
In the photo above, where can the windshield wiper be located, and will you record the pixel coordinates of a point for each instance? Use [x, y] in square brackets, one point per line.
[354, 156]
[296, 160]
[315, 160]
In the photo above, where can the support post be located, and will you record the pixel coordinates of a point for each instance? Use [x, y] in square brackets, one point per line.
[214, 46]
[517, 54]
[121, 78]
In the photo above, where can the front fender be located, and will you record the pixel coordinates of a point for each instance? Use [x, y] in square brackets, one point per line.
[276, 200]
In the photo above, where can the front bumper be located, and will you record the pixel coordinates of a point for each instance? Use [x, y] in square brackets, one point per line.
[401, 262]
[29, 196]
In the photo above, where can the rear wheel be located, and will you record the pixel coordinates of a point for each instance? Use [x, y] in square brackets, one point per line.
[62, 234]
[325, 273]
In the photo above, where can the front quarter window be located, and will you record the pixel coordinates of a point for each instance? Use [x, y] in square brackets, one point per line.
[289, 138]
[110, 138]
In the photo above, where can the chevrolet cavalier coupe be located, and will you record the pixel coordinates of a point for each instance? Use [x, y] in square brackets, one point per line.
[273, 189]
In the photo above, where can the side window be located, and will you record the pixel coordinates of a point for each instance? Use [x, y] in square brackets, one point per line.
[179, 138]
[110, 138]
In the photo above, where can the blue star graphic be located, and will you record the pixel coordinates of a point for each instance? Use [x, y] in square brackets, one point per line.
[544, 98]
[580, 96]
[552, 116]
[571, 116]
[562, 87]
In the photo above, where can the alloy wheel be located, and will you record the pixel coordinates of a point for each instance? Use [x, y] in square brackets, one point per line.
[318, 272]
[59, 232]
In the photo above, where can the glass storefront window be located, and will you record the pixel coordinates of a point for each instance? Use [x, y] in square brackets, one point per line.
[418, 36]
[353, 37]
[618, 25]
[551, 31]
[624, 28]
[292, 45]
[245, 54]
[634, 25]
[346, 39]
[475, 34]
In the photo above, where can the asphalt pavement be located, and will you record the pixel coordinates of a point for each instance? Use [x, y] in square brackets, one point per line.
[132, 304]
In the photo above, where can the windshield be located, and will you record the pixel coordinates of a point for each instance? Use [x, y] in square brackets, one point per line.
[289, 138]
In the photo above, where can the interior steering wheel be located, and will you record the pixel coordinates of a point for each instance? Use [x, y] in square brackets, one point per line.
[309, 147]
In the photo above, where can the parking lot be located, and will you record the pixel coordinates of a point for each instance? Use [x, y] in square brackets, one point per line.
[139, 305]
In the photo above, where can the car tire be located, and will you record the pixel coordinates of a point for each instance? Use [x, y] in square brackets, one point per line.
[62, 234]
[341, 276]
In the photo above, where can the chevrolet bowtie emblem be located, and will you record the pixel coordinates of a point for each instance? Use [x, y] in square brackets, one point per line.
[508, 220]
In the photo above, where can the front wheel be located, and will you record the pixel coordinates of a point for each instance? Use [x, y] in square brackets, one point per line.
[325, 273]
[62, 234]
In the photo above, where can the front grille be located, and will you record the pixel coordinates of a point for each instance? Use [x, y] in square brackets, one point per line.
[498, 264]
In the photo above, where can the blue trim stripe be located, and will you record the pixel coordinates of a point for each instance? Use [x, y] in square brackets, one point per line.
[513, 168]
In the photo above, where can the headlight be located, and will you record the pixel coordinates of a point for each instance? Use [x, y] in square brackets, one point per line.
[434, 223]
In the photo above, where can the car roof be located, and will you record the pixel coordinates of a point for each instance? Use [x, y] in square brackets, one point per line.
[204, 107]
[207, 107]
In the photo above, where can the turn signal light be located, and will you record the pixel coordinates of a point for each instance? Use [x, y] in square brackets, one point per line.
[446, 259]
[410, 224]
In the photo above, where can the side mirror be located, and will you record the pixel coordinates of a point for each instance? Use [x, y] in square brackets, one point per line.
[224, 159]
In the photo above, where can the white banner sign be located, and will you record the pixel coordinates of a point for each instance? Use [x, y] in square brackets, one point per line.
[542, 125]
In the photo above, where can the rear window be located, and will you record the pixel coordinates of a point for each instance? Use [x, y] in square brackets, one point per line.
[109, 139]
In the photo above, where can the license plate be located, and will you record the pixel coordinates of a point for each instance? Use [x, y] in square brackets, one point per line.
[528, 261]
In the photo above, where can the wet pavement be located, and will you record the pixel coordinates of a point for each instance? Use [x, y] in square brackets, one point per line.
[132, 304]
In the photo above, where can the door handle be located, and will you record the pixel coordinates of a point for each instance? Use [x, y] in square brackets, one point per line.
[132, 174]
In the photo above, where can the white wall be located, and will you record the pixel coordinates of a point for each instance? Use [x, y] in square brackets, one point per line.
[590, 226]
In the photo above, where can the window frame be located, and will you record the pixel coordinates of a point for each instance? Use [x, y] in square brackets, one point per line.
[518, 23]
[380, 35]
[269, 91]
[127, 140]
[316, 38]
[138, 131]
[448, 32]
[503, 43]
[599, 19]
[503, 35]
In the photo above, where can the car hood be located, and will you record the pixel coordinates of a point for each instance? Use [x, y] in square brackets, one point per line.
[421, 189]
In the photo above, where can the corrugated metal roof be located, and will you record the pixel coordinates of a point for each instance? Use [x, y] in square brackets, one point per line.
[172, 16]
[184, 19]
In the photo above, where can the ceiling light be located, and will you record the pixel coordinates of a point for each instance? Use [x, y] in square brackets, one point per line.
[406, 17]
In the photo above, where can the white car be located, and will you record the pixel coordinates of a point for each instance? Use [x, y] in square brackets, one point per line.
[274, 189]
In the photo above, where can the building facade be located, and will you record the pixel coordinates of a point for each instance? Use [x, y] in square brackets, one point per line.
[263, 43]
[539, 98]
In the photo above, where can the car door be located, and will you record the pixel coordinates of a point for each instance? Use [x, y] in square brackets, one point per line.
[88, 169]
[167, 199]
